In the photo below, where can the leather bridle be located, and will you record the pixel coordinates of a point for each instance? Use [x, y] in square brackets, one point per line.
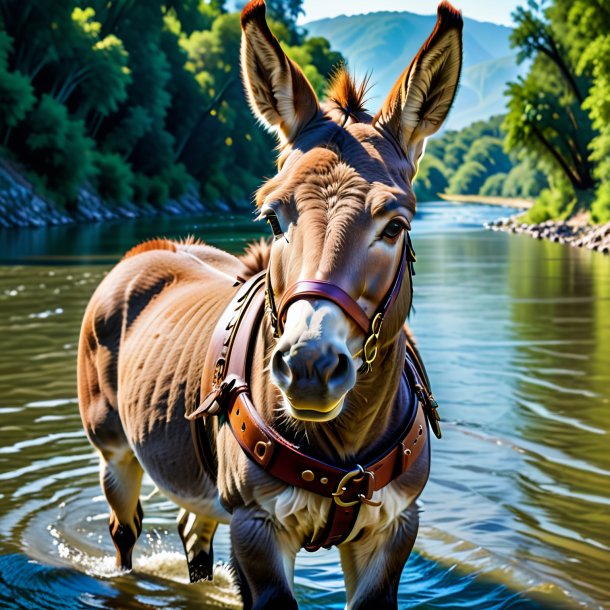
[321, 289]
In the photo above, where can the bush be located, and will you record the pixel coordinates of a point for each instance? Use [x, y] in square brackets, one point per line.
[493, 186]
[112, 178]
[158, 192]
[16, 93]
[454, 155]
[557, 202]
[468, 180]
[431, 179]
[524, 180]
[57, 150]
[600, 210]
[177, 180]
[489, 152]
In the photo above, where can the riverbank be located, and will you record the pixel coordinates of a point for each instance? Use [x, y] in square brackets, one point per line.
[504, 202]
[21, 206]
[576, 232]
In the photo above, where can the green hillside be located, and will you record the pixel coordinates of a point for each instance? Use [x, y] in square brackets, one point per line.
[383, 43]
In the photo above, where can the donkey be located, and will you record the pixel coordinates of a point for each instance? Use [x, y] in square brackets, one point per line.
[340, 207]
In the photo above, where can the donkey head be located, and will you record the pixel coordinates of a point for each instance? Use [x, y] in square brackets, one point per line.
[341, 202]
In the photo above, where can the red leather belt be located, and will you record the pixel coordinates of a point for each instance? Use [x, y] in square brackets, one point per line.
[226, 390]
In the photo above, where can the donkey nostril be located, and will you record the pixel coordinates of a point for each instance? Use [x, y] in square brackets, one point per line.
[340, 371]
[280, 368]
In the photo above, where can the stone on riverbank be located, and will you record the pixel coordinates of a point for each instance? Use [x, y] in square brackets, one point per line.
[592, 237]
[21, 206]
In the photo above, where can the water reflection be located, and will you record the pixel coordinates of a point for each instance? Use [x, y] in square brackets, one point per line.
[560, 305]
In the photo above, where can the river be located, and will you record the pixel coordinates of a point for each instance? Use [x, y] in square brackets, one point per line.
[516, 336]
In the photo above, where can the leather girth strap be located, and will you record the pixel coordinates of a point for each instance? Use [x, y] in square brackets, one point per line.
[227, 393]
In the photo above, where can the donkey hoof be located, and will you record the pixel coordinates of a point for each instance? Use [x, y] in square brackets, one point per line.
[201, 567]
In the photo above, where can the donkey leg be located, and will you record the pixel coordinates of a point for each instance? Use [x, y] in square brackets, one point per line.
[244, 588]
[374, 563]
[121, 478]
[263, 559]
[197, 535]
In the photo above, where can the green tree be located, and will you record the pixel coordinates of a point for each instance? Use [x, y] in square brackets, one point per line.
[16, 93]
[139, 99]
[57, 149]
[431, 179]
[556, 113]
[489, 152]
[492, 187]
[469, 179]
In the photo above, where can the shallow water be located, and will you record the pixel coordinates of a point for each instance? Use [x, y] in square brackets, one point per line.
[516, 337]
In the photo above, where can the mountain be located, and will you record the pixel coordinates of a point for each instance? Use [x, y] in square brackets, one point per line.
[383, 43]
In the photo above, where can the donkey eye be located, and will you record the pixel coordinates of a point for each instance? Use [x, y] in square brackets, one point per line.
[274, 223]
[393, 229]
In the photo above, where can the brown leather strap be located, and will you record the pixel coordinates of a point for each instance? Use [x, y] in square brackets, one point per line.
[328, 292]
[286, 462]
[242, 313]
[348, 488]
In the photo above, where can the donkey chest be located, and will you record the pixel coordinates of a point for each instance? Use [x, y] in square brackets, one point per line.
[301, 515]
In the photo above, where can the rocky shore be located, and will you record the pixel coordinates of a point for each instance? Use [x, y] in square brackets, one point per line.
[22, 207]
[575, 233]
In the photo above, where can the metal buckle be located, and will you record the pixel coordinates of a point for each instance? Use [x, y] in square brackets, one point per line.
[360, 473]
[371, 344]
[430, 409]
[219, 372]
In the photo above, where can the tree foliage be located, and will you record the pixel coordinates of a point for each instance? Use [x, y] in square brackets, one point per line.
[559, 115]
[138, 99]
[473, 162]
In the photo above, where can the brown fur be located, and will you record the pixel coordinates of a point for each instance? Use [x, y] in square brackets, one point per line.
[160, 243]
[256, 257]
[346, 94]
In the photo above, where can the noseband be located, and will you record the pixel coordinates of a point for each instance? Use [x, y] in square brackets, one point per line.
[321, 289]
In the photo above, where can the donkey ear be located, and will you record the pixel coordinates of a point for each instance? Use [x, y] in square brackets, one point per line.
[279, 93]
[421, 98]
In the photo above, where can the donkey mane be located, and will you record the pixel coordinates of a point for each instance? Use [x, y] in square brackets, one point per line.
[256, 257]
[346, 94]
[163, 243]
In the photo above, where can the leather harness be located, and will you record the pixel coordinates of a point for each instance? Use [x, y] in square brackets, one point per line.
[227, 394]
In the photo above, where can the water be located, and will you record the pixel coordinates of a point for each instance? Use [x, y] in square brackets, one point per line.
[516, 336]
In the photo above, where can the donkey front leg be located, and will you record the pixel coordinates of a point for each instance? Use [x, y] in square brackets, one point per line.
[197, 535]
[373, 564]
[265, 560]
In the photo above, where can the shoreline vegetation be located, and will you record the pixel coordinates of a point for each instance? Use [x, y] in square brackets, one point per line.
[21, 206]
[125, 105]
[126, 110]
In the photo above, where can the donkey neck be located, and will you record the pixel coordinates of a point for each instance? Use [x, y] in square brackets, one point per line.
[374, 409]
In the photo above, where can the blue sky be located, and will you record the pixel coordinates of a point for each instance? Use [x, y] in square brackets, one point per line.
[497, 11]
